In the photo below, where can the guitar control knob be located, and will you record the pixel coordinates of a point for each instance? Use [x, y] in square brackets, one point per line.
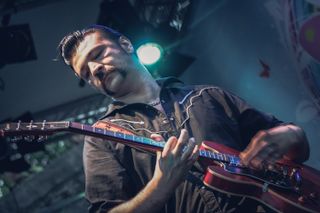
[302, 199]
[297, 177]
[313, 195]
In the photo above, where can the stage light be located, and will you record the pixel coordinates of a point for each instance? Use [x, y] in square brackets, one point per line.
[149, 53]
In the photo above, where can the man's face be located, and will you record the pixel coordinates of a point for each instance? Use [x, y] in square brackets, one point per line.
[103, 63]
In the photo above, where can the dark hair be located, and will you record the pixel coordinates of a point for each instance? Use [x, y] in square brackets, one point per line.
[69, 44]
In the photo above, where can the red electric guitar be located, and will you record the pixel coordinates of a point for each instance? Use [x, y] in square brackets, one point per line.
[288, 187]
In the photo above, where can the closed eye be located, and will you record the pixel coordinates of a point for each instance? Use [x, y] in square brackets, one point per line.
[98, 54]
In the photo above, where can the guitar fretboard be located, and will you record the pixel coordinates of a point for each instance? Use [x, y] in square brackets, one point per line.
[43, 128]
[149, 142]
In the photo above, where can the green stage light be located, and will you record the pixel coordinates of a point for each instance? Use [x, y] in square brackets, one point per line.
[149, 53]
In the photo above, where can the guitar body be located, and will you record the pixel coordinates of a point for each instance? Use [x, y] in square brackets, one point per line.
[240, 181]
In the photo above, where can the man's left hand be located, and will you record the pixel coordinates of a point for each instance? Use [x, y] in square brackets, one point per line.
[268, 146]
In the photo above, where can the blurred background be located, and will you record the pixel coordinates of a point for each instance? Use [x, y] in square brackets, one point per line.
[265, 51]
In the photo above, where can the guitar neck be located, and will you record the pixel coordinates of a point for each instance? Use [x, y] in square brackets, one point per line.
[44, 128]
[144, 142]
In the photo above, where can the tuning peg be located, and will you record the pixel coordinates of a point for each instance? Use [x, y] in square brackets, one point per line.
[16, 138]
[302, 199]
[313, 195]
[13, 146]
[285, 171]
[42, 138]
[29, 138]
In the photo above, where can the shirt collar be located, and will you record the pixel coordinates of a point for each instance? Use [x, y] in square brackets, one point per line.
[167, 82]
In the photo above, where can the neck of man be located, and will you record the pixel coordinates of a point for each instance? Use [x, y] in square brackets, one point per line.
[144, 90]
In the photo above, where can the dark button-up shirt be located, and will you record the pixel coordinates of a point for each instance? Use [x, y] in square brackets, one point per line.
[115, 172]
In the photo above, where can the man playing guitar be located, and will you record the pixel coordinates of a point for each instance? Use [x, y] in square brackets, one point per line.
[123, 179]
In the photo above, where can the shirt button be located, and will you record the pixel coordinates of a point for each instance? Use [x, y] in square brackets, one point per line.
[165, 121]
[163, 101]
[171, 119]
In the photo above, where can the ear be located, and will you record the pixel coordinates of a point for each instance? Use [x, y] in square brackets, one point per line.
[126, 44]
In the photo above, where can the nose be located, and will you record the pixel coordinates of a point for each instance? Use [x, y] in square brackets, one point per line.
[96, 69]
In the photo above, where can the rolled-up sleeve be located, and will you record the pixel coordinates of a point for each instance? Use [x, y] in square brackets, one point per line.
[249, 119]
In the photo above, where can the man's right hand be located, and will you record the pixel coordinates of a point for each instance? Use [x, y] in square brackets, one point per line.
[173, 163]
[175, 160]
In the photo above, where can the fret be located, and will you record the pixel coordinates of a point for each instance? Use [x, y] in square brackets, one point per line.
[119, 135]
[228, 158]
[208, 154]
[109, 133]
[148, 141]
[138, 139]
[231, 159]
[212, 155]
[216, 156]
[162, 144]
[130, 137]
[225, 158]
[152, 142]
[89, 128]
[205, 152]
[237, 160]
[98, 130]
[202, 153]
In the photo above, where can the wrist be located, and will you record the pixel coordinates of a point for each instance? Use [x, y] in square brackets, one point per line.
[160, 187]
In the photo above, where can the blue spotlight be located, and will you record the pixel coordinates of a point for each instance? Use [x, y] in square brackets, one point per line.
[149, 53]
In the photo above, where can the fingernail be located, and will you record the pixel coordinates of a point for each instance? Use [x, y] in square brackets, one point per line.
[192, 140]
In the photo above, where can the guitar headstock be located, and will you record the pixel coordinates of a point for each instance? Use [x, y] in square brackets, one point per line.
[32, 128]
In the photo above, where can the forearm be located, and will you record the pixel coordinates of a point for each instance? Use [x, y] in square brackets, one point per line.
[150, 199]
[172, 165]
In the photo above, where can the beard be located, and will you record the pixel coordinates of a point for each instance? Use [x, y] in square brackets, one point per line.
[114, 84]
